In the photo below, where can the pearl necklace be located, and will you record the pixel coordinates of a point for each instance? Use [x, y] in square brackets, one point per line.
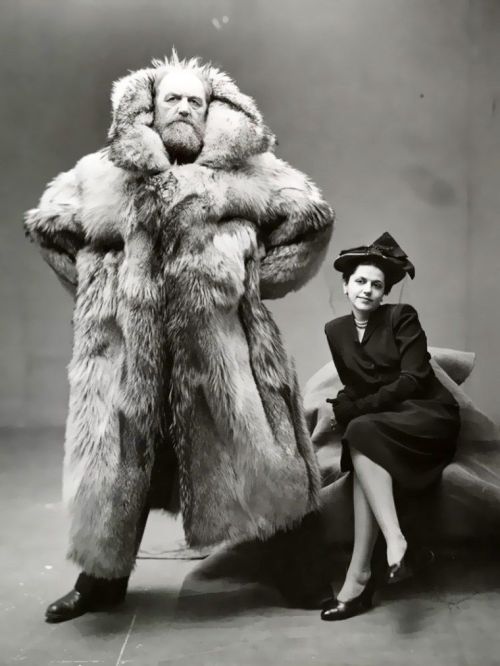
[360, 324]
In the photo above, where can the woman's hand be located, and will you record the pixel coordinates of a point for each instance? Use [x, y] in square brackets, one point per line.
[344, 410]
[333, 420]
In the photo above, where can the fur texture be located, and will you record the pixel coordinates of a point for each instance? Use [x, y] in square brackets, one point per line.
[179, 381]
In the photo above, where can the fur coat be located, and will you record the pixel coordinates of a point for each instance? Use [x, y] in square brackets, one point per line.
[180, 386]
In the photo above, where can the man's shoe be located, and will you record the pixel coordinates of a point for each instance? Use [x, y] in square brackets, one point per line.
[68, 607]
[89, 594]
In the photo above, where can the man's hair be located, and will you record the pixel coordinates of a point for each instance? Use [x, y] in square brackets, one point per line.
[193, 65]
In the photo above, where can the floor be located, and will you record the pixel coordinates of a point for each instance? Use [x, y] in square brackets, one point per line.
[176, 616]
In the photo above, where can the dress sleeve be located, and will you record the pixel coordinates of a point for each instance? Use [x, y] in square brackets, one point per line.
[415, 367]
[347, 391]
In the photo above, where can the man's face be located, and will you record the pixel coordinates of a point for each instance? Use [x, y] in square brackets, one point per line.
[180, 113]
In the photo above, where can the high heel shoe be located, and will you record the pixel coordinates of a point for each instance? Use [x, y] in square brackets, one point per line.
[399, 571]
[342, 610]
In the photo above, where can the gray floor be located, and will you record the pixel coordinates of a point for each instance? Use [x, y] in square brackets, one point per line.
[448, 617]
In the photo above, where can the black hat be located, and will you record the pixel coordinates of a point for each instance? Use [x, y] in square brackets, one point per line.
[385, 251]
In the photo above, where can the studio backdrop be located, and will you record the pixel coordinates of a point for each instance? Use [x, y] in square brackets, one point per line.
[391, 107]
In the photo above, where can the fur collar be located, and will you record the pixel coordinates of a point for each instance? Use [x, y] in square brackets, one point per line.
[234, 132]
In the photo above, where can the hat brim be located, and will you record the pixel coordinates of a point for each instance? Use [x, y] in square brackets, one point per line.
[350, 260]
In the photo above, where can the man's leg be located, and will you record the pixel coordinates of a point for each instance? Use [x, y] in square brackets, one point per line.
[91, 593]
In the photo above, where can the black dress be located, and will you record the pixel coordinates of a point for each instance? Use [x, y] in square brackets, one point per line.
[394, 409]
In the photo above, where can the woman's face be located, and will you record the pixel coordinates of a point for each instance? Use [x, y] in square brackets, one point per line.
[365, 289]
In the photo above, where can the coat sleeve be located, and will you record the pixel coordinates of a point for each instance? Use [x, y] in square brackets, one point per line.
[414, 373]
[296, 237]
[55, 227]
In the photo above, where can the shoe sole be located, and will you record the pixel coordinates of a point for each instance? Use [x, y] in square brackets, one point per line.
[337, 617]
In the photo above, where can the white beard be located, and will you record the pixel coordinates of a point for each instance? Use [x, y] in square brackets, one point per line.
[182, 140]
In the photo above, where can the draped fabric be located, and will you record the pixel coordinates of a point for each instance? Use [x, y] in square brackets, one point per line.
[466, 502]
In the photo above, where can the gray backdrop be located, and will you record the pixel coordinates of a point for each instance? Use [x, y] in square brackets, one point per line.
[391, 106]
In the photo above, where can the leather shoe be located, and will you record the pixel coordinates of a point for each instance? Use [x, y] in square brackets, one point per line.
[94, 594]
[399, 571]
[69, 606]
[342, 610]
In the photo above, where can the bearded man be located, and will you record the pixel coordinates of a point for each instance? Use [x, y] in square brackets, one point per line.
[181, 393]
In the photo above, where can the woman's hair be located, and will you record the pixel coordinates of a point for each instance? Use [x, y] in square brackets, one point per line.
[381, 265]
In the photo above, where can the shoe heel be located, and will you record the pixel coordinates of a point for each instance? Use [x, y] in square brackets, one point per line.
[367, 603]
[367, 595]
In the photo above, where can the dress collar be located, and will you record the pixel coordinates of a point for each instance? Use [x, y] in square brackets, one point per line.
[373, 322]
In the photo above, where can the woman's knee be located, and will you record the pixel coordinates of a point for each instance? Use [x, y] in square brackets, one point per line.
[361, 427]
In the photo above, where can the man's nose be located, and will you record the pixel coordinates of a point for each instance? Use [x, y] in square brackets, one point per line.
[183, 108]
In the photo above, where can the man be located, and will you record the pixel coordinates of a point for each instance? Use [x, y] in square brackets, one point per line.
[180, 388]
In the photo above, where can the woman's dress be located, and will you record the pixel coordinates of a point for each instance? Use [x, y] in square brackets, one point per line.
[394, 409]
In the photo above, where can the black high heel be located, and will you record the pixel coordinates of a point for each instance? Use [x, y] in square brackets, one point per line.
[399, 571]
[342, 610]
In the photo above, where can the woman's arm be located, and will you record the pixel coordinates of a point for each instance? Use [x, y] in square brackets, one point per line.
[415, 371]
[347, 394]
[347, 391]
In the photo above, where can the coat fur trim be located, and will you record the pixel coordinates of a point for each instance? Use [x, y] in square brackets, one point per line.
[234, 128]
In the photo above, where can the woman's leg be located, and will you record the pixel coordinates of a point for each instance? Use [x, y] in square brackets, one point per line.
[376, 483]
[365, 535]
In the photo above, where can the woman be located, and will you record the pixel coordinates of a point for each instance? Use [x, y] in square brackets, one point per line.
[400, 424]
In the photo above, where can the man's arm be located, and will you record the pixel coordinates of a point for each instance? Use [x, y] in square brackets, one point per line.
[295, 229]
[54, 226]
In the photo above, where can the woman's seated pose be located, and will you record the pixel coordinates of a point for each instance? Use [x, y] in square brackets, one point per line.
[400, 423]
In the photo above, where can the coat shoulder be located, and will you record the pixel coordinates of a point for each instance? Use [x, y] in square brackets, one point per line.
[97, 166]
[279, 173]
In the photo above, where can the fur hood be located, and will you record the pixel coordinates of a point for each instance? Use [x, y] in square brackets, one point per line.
[234, 130]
